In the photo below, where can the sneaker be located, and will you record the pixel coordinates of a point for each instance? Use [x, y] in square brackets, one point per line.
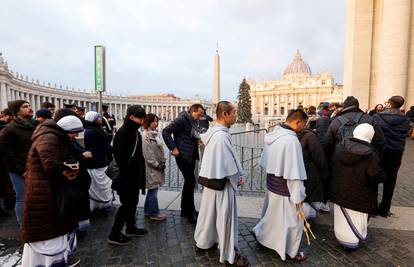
[324, 207]
[119, 239]
[136, 232]
[159, 217]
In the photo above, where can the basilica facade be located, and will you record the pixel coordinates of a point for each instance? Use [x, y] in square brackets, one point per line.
[298, 86]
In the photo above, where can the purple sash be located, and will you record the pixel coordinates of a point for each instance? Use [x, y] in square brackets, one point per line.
[277, 185]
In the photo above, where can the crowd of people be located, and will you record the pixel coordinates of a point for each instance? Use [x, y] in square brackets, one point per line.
[55, 184]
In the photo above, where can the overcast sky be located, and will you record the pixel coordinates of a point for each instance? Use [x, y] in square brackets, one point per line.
[157, 46]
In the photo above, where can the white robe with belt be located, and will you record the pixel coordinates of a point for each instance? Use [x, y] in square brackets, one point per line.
[280, 227]
[217, 219]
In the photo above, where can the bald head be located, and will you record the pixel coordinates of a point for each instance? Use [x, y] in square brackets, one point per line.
[226, 113]
[223, 106]
[297, 114]
[297, 120]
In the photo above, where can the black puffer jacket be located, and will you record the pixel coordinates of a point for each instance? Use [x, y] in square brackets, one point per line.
[317, 170]
[395, 126]
[185, 137]
[410, 114]
[356, 173]
[132, 169]
[331, 138]
[322, 125]
[15, 143]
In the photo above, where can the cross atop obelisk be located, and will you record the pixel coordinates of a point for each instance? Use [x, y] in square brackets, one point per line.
[216, 85]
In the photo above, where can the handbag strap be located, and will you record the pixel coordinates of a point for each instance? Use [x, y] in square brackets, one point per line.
[135, 147]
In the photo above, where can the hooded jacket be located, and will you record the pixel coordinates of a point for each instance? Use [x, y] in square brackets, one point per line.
[395, 126]
[185, 137]
[356, 173]
[15, 143]
[317, 169]
[45, 159]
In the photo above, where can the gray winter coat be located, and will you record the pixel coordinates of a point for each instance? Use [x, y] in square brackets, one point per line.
[153, 151]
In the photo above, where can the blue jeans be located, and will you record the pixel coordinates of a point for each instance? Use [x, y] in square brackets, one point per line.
[18, 186]
[151, 202]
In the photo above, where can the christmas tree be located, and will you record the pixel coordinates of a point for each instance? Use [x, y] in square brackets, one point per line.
[244, 108]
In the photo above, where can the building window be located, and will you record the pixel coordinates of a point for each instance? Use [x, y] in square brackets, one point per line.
[323, 82]
[266, 111]
[282, 110]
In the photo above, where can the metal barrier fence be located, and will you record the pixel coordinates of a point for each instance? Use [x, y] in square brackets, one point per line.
[249, 146]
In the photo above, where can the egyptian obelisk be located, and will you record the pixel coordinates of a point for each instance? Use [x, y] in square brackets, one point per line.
[216, 85]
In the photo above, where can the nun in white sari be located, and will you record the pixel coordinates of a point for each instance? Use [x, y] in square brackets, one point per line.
[354, 186]
[100, 191]
[217, 220]
[280, 228]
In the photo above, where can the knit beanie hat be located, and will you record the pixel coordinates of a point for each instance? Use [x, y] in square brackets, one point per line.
[44, 113]
[351, 101]
[91, 116]
[364, 132]
[70, 124]
[14, 106]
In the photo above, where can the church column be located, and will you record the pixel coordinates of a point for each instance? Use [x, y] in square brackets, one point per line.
[271, 104]
[262, 105]
[278, 105]
[394, 50]
[3, 96]
[286, 105]
[37, 100]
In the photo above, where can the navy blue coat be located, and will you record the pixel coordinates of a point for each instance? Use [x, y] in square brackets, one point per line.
[185, 137]
[97, 143]
[395, 126]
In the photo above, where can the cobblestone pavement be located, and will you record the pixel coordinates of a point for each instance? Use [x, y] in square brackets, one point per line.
[404, 189]
[171, 243]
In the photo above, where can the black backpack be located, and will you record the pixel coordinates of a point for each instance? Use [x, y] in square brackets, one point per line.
[346, 130]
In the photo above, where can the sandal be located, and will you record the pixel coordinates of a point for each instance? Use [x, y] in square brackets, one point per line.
[301, 256]
[240, 260]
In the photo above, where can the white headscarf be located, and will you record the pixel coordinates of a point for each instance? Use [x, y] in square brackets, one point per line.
[70, 124]
[364, 132]
[91, 116]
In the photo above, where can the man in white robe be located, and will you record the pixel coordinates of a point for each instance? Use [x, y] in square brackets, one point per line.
[280, 227]
[217, 220]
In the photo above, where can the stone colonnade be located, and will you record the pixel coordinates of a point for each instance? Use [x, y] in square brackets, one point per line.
[165, 111]
[14, 86]
[379, 49]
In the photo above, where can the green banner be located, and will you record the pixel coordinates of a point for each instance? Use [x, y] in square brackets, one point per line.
[99, 68]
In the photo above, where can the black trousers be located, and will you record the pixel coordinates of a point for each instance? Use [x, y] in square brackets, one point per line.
[126, 212]
[187, 196]
[391, 162]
